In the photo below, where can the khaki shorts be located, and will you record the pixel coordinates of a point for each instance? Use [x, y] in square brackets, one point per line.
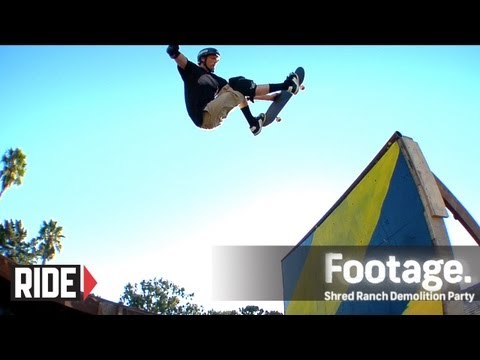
[217, 109]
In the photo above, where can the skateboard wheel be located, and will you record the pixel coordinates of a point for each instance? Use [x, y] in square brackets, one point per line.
[278, 119]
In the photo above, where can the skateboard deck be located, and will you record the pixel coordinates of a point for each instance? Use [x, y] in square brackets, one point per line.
[281, 100]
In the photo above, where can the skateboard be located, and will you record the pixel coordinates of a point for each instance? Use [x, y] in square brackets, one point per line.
[281, 100]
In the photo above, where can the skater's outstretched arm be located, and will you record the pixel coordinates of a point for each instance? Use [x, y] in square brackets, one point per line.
[174, 52]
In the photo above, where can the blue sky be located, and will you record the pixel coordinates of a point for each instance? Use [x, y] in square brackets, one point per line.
[142, 193]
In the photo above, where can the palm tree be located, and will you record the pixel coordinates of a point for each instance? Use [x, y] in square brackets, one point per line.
[51, 234]
[13, 169]
[13, 244]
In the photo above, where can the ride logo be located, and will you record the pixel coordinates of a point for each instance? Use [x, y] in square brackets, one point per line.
[50, 282]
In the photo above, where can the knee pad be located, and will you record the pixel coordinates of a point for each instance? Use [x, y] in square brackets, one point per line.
[244, 86]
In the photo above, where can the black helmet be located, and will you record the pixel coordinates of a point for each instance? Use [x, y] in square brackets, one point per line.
[206, 52]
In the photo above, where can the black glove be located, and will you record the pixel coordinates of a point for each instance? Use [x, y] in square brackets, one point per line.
[173, 51]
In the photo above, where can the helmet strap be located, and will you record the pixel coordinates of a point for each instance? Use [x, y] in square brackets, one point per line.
[205, 63]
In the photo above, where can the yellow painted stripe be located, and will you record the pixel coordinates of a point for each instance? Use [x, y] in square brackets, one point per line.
[418, 307]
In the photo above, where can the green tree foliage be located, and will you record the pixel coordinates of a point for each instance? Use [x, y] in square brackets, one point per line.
[14, 166]
[13, 244]
[12, 234]
[272, 312]
[251, 310]
[50, 240]
[224, 312]
[247, 310]
[255, 310]
[28, 252]
[159, 296]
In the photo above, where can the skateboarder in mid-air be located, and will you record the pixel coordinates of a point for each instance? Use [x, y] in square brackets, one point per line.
[209, 98]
